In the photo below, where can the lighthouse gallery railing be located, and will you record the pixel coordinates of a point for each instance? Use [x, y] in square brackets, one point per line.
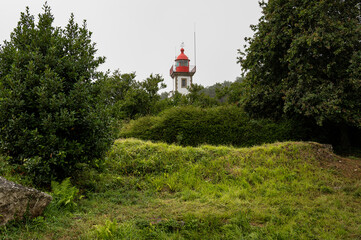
[173, 69]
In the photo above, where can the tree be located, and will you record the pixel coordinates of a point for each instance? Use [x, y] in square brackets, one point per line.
[197, 97]
[231, 92]
[126, 98]
[48, 120]
[304, 60]
[151, 86]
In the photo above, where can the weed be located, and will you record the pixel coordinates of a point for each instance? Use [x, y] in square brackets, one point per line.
[65, 195]
[106, 231]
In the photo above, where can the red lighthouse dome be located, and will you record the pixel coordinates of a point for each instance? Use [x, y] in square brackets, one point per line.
[182, 62]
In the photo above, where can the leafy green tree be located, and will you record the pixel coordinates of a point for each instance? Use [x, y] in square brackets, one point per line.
[175, 99]
[48, 120]
[165, 95]
[112, 91]
[304, 60]
[151, 86]
[231, 92]
[197, 97]
[126, 98]
[211, 90]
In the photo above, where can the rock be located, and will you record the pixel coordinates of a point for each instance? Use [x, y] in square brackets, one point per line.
[16, 201]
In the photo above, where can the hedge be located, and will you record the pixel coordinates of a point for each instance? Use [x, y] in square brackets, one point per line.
[224, 125]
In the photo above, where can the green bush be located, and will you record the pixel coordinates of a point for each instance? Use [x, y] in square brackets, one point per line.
[224, 125]
[48, 119]
[143, 128]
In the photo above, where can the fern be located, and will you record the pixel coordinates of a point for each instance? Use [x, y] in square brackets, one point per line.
[107, 230]
[65, 195]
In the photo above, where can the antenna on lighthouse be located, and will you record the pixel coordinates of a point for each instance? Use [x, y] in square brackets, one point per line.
[195, 59]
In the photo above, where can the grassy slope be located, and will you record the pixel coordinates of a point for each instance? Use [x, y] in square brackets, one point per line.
[157, 191]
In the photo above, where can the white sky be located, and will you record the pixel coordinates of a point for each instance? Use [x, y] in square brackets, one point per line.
[142, 35]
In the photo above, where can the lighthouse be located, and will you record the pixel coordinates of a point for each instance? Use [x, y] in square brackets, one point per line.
[182, 77]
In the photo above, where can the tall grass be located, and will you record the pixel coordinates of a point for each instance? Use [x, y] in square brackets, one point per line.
[159, 191]
[279, 190]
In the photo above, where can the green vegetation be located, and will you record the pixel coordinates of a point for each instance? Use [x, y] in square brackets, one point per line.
[304, 60]
[290, 190]
[59, 117]
[224, 125]
[64, 194]
[126, 98]
[49, 122]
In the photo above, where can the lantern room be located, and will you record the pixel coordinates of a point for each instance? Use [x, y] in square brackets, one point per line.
[182, 77]
[182, 62]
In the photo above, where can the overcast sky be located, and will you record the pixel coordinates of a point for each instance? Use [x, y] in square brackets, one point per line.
[143, 36]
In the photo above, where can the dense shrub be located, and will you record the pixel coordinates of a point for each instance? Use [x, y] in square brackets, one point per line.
[142, 128]
[48, 120]
[220, 125]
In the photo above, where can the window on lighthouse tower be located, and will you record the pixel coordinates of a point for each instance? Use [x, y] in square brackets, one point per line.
[184, 83]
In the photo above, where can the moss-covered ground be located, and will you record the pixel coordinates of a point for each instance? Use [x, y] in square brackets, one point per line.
[144, 190]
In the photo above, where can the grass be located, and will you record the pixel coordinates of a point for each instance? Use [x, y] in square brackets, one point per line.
[291, 190]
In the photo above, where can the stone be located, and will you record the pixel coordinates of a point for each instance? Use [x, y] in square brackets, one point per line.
[17, 201]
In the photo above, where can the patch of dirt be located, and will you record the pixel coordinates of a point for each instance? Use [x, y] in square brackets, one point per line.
[348, 167]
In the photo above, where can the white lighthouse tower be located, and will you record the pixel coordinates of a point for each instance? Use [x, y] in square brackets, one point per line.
[182, 77]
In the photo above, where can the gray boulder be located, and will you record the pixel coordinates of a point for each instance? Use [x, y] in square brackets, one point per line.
[16, 201]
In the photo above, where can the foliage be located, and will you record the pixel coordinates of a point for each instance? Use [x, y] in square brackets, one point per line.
[126, 98]
[225, 125]
[211, 91]
[48, 119]
[13, 172]
[304, 60]
[142, 128]
[65, 195]
[107, 230]
[198, 97]
[231, 93]
[211, 96]
[289, 190]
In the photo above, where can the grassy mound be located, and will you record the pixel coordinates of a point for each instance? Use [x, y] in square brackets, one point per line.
[291, 190]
